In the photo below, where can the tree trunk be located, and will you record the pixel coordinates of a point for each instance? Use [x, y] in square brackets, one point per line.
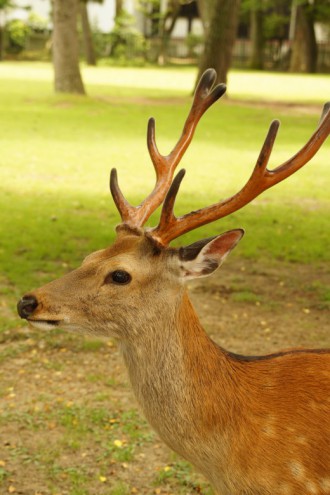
[66, 47]
[87, 35]
[205, 8]
[257, 39]
[1, 42]
[119, 8]
[220, 39]
[166, 31]
[304, 46]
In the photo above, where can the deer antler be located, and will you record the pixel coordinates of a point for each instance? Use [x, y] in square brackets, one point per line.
[165, 166]
[170, 227]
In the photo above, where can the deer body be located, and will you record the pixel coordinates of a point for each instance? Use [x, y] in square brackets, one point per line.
[252, 426]
[245, 424]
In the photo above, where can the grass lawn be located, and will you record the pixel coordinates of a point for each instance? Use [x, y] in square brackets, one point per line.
[55, 207]
[56, 153]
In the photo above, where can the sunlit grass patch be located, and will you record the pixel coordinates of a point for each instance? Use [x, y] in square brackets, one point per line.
[245, 296]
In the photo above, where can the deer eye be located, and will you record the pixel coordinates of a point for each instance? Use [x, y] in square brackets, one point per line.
[118, 277]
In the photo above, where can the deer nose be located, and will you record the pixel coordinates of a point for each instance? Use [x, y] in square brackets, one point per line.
[26, 306]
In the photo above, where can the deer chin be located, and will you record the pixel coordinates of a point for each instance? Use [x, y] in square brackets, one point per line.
[63, 324]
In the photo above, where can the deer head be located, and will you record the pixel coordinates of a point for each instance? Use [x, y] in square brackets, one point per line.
[118, 290]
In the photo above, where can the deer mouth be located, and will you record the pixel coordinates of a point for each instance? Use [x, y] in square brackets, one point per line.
[44, 324]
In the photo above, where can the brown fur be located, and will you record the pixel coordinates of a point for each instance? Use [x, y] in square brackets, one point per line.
[253, 426]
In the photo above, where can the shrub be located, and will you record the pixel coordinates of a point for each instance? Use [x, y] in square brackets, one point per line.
[17, 33]
[126, 42]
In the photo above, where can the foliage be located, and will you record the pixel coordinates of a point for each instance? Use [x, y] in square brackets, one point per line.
[321, 11]
[276, 16]
[155, 13]
[193, 42]
[5, 3]
[17, 33]
[37, 23]
[151, 10]
[126, 42]
[275, 26]
[278, 12]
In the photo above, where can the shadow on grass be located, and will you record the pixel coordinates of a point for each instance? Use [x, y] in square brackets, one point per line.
[46, 236]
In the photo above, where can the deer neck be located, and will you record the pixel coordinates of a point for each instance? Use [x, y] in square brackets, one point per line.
[175, 372]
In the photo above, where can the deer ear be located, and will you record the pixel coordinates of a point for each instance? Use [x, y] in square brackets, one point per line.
[203, 257]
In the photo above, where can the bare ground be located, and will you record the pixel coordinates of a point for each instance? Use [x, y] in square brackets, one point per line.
[68, 419]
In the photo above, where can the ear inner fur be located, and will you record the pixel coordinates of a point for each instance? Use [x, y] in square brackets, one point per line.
[188, 253]
[222, 245]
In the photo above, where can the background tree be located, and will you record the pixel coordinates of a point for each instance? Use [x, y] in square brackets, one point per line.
[205, 10]
[66, 47]
[4, 4]
[304, 46]
[257, 37]
[161, 23]
[87, 35]
[220, 38]
[119, 6]
[267, 20]
[167, 24]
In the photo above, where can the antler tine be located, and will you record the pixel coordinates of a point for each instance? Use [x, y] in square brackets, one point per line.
[167, 217]
[122, 205]
[260, 180]
[204, 97]
[165, 165]
[325, 111]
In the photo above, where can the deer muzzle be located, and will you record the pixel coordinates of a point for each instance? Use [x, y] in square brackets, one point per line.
[26, 306]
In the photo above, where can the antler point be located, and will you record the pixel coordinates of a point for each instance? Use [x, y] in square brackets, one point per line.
[113, 178]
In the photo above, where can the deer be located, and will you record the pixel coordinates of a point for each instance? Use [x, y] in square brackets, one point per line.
[252, 425]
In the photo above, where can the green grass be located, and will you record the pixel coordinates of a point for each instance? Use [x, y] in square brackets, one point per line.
[155, 82]
[56, 153]
[120, 489]
[78, 427]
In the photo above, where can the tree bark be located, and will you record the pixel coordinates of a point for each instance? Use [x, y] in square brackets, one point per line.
[66, 47]
[304, 46]
[119, 8]
[166, 31]
[220, 39]
[257, 39]
[1, 42]
[2, 29]
[87, 34]
[205, 8]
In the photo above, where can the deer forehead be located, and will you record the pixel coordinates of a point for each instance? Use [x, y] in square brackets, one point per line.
[133, 253]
